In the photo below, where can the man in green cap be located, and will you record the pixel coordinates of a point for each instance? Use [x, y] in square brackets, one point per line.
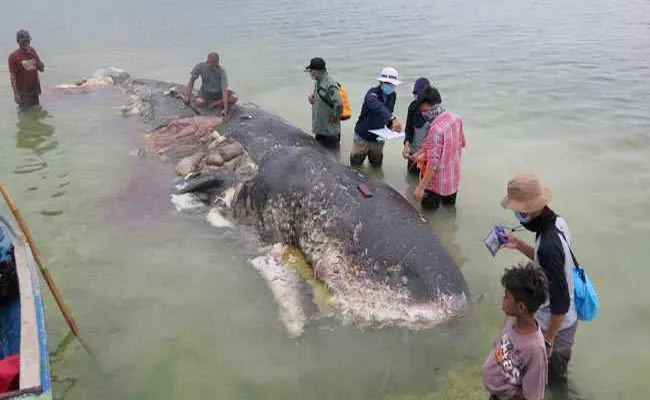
[326, 105]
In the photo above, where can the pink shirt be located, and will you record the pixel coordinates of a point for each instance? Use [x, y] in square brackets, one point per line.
[443, 146]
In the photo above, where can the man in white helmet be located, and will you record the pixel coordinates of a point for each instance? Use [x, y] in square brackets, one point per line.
[376, 113]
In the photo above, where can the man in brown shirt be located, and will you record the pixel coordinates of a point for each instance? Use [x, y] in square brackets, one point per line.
[24, 66]
[516, 366]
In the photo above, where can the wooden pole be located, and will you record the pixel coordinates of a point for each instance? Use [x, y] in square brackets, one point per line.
[46, 274]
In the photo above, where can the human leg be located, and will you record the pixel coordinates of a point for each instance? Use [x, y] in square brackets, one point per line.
[359, 152]
[376, 153]
[430, 201]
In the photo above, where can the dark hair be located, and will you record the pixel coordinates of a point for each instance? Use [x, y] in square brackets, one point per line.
[429, 95]
[526, 284]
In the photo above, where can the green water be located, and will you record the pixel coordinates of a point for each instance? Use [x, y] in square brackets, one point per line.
[171, 304]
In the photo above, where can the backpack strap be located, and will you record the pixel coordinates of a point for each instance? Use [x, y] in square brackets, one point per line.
[325, 100]
[575, 262]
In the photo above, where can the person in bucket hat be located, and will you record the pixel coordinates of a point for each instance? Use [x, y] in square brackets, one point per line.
[529, 200]
[526, 195]
[376, 113]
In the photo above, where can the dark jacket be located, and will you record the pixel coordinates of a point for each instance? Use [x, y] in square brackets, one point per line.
[376, 112]
[413, 120]
[552, 259]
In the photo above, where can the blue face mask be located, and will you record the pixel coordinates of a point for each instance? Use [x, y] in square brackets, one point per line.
[521, 218]
[387, 89]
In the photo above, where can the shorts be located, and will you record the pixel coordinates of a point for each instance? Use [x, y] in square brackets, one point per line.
[431, 201]
[214, 96]
[362, 148]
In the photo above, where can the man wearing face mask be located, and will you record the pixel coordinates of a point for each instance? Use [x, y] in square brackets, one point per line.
[441, 153]
[557, 317]
[214, 92]
[326, 105]
[416, 127]
[24, 66]
[376, 113]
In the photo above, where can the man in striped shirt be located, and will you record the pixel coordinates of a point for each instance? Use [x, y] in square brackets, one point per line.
[440, 157]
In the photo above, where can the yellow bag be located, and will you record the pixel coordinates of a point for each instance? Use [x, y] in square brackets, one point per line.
[347, 110]
[346, 113]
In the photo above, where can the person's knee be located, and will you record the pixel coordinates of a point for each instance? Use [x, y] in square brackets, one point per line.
[356, 159]
[199, 101]
[429, 205]
[430, 201]
[376, 158]
[449, 201]
[558, 365]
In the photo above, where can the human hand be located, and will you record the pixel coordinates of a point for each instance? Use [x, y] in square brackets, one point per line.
[548, 343]
[418, 157]
[512, 242]
[406, 151]
[397, 126]
[418, 193]
[310, 99]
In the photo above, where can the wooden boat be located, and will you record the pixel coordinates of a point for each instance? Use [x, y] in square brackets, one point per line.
[27, 316]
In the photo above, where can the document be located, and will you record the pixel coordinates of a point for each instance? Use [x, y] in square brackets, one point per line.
[387, 134]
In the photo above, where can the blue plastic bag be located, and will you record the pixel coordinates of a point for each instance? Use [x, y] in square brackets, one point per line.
[585, 296]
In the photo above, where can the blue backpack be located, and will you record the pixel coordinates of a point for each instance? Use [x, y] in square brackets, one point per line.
[585, 296]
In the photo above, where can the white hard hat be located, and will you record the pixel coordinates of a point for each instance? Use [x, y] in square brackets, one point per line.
[389, 75]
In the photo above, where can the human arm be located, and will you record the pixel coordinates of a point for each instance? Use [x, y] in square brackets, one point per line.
[433, 155]
[39, 64]
[513, 242]
[13, 69]
[552, 259]
[375, 105]
[424, 182]
[334, 93]
[194, 75]
[462, 134]
[409, 131]
[534, 380]
[224, 90]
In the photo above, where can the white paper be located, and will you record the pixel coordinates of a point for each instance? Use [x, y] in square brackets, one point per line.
[387, 134]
